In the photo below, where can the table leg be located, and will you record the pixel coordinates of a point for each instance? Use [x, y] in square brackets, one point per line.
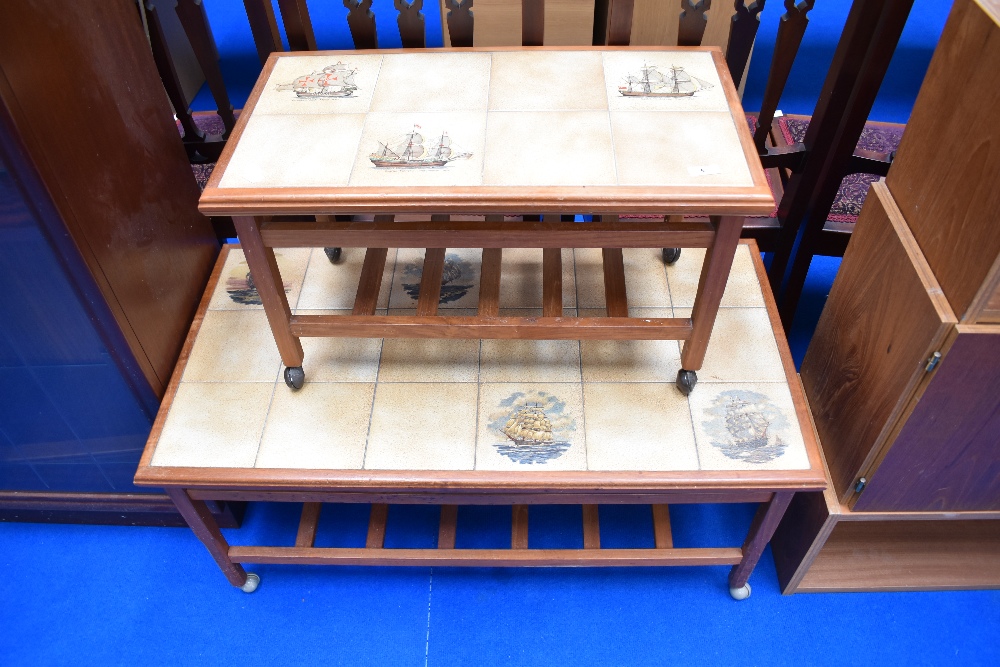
[711, 286]
[765, 522]
[267, 279]
[205, 528]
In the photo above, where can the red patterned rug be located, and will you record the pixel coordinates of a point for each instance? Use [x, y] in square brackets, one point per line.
[879, 137]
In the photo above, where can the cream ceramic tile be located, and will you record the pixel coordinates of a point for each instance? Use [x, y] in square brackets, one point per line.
[703, 149]
[747, 427]
[645, 279]
[459, 284]
[329, 286]
[234, 291]
[521, 278]
[530, 361]
[323, 425]
[742, 290]
[214, 424]
[295, 151]
[425, 426]
[429, 359]
[462, 132]
[562, 80]
[638, 427]
[549, 148]
[562, 405]
[280, 97]
[618, 65]
[630, 360]
[741, 349]
[233, 346]
[433, 82]
[329, 359]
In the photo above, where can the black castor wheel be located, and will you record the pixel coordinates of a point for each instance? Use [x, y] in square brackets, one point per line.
[333, 254]
[686, 380]
[671, 255]
[295, 377]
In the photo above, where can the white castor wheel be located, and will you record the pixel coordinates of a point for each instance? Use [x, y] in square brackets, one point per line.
[741, 593]
[252, 582]
[333, 254]
[295, 377]
[671, 255]
[686, 380]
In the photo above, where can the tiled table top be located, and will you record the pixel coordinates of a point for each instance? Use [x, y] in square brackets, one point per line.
[404, 404]
[512, 119]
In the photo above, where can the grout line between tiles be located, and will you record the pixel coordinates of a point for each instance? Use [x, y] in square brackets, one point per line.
[267, 415]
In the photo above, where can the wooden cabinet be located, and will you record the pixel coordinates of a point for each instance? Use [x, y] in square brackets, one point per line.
[903, 373]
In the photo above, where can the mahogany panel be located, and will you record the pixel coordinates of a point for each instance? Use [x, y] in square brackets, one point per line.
[947, 456]
[945, 172]
[883, 318]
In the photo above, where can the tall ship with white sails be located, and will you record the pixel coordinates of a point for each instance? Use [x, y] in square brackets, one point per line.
[673, 82]
[411, 151]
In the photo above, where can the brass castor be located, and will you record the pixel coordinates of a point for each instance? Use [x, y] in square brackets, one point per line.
[295, 377]
[333, 254]
[686, 380]
[671, 255]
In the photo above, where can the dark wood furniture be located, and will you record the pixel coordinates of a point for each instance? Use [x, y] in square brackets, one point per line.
[903, 374]
[105, 257]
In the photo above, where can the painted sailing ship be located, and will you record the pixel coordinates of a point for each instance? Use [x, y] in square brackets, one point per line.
[333, 81]
[529, 426]
[748, 427]
[674, 82]
[410, 151]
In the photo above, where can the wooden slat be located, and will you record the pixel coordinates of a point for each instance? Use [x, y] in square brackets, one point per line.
[376, 526]
[385, 232]
[371, 281]
[519, 527]
[615, 295]
[448, 527]
[552, 305]
[693, 22]
[459, 22]
[532, 22]
[361, 21]
[195, 23]
[264, 27]
[743, 32]
[619, 26]
[430, 282]
[298, 26]
[661, 527]
[529, 328]
[489, 557]
[306, 536]
[489, 282]
[591, 527]
[410, 23]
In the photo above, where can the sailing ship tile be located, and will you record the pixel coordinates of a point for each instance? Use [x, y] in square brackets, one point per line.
[457, 137]
[459, 282]
[645, 279]
[521, 278]
[747, 426]
[742, 290]
[414, 82]
[562, 80]
[337, 359]
[331, 286]
[703, 149]
[530, 360]
[278, 97]
[531, 426]
[422, 426]
[638, 427]
[429, 359]
[302, 431]
[618, 66]
[630, 360]
[295, 151]
[531, 148]
[214, 424]
[237, 292]
[742, 348]
[233, 346]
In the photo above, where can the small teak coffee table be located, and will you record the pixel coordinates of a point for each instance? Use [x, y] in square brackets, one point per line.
[495, 133]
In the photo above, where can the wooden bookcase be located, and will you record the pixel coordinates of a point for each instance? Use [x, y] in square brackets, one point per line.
[903, 374]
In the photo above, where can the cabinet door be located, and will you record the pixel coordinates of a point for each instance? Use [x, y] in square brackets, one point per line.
[885, 316]
[946, 455]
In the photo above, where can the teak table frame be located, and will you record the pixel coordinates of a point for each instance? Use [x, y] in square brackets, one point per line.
[255, 210]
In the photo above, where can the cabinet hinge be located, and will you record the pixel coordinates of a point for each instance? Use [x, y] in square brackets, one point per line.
[861, 484]
[932, 362]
